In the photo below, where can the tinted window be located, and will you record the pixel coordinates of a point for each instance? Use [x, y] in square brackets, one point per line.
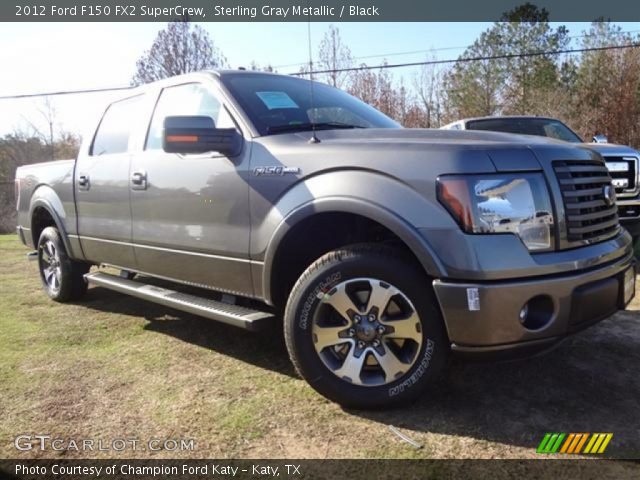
[189, 99]
[542, 127]
[275, 102]
[115, 128]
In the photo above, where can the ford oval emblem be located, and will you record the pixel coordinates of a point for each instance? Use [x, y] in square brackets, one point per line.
[609, 195]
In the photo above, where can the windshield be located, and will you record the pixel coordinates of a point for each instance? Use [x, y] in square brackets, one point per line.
[542, 127]
[280, 104]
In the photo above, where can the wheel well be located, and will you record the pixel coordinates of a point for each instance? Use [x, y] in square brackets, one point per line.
[40, 219]
[312, 237]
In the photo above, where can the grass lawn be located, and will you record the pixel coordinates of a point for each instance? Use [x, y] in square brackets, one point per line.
[113, 367]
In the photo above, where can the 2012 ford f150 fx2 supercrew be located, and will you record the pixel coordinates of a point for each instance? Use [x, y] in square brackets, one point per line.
[246, 197]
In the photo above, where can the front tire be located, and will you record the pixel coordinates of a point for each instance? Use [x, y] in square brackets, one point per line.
[62, 278]
[363, 328]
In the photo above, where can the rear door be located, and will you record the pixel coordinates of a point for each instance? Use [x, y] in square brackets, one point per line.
[102, 187]
[191, 212]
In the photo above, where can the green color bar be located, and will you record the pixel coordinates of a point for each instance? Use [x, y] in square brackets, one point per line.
[558, 443]
[543, 443]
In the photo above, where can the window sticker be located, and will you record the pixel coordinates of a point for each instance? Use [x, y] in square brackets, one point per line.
[273, 100]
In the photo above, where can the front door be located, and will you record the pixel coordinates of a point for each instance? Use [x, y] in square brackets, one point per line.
[191, 212]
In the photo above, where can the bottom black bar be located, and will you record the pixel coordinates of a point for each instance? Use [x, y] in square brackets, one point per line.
[312, 469]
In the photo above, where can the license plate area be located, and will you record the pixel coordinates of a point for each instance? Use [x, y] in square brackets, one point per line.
[618, 166]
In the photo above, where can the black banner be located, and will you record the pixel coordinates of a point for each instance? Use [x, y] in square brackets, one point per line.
[314, 469]
[306, 10]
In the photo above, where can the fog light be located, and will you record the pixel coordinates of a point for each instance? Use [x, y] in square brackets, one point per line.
[537, 313]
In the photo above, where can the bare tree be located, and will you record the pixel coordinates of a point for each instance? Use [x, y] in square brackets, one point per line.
[180, 48]
[49, 114]
[334, 55]
[429, 87]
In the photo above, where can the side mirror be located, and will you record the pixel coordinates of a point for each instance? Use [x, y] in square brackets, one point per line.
[199, 135]
[600, 138]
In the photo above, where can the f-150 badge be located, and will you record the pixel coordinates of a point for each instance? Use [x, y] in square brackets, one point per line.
[274, 170]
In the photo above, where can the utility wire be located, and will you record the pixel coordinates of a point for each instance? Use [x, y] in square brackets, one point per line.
[371, 67]
[470, 59]
[65, 92]
[430, 50]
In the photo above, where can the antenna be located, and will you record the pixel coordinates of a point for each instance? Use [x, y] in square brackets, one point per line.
[314, 138]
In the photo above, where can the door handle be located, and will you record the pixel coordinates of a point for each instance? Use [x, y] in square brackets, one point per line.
[83, 181]
[139, 180]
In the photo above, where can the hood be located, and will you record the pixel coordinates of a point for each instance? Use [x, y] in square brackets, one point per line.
[612, 150]
[425, 136]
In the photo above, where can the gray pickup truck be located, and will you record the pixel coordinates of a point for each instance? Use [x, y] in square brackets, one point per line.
[250, 197]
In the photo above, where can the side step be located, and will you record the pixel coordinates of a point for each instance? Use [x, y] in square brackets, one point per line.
[235, 315]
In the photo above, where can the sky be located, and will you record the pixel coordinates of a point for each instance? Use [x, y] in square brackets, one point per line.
[46, 57]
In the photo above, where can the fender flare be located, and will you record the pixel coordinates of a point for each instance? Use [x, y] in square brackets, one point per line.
[46, 201]
[416, 243]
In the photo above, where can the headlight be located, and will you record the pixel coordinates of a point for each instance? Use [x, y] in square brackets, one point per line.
[518, 204]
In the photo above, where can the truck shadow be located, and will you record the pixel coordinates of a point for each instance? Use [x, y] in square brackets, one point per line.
[264, 349]
[590, 383]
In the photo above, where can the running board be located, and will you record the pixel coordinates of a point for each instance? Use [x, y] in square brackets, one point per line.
[235, 315]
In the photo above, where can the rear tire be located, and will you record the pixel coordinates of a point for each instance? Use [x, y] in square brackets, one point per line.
[62, 278]
[363, 328]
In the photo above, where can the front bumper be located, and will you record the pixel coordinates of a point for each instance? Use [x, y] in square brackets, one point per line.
[486, 318]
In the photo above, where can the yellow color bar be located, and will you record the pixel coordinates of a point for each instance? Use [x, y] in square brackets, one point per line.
[607, 439]
[599, 440]
[591, 442]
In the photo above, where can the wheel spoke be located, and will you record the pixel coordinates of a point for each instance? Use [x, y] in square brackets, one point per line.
[391, 365]
[405, 328]
[352, 367]
[341, 302]
[380, 296]
[329, 336]
[51, 252]
[48, 273]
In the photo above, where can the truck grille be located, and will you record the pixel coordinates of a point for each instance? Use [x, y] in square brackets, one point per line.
[588, 215]
[623, 171]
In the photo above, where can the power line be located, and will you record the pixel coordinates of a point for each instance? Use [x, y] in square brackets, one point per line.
[470, 59]
[64, 92]
[441, 49]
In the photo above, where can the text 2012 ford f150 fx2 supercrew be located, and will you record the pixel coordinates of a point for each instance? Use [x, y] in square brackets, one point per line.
[245, 198]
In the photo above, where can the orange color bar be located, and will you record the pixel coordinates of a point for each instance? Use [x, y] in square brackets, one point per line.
[567, 442]
[577, 438]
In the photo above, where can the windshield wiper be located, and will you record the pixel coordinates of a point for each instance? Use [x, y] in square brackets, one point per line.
[295, 127]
